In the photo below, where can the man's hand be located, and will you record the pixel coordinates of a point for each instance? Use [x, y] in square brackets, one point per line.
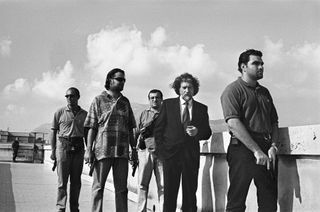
[262, 159]
[53, 154]
[272, 153]
[192, 130]
[88, 156]
[134, 161]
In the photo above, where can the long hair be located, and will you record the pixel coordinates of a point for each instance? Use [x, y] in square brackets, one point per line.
[110, 75]
[186, 77]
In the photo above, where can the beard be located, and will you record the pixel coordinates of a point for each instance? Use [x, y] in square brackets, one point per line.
[256, 76]
[186, 96]
[259, 75]
[118, 88]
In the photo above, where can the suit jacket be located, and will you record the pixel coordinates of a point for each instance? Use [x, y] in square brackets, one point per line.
[169, 133]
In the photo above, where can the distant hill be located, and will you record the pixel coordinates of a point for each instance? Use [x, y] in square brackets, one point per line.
[216, 125]
[44, 128]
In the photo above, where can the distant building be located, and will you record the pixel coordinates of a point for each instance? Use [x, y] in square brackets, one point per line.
[23, 137]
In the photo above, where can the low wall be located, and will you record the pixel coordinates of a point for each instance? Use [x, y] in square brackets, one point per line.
[26, 153]
[299, 171]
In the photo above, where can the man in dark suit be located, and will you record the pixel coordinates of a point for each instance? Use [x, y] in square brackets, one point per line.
[182, 122]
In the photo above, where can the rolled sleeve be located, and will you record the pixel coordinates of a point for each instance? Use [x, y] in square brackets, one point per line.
[91, 120]
[55, 121]
[230, 103]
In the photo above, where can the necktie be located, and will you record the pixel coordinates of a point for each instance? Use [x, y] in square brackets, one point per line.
[185, 116]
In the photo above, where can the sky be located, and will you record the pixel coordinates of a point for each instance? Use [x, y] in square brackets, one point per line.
[48, 46]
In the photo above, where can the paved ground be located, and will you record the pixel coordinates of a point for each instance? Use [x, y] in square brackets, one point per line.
[28, 187]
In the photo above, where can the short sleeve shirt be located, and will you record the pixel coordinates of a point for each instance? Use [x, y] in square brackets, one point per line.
[113, 119]
[67, 124]
[253, 106]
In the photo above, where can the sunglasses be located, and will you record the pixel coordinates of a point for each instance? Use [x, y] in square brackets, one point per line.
[120, 79]
[70, 95]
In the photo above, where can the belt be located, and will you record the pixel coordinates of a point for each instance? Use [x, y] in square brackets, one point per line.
[255, 136]
[264, 136]
[72, 139]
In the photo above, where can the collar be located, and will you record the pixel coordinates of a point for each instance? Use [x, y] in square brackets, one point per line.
[182, 101]
[150, 109]
[241, 81]
[109, 96]
[69, 109]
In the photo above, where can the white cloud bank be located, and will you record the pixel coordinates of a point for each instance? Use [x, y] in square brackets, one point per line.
[125, 47]
[293, 70]
[19, 87]
[54, 84]
[13, 109]
[5, 47]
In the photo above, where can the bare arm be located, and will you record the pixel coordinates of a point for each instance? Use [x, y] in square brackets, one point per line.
[275, 134]
[133, 142]
[272, 152]
[92, 133]
[53, 142]
[240, 132]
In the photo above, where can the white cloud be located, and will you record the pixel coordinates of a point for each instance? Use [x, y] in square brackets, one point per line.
[124, 47]
[308, 54]
[158, 37]
[5, 47]
[19, 87]
[272, 51]
[54, 84]
[13, 109]
[293, 68]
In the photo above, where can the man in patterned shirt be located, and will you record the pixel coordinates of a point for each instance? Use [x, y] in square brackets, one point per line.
[110, 121]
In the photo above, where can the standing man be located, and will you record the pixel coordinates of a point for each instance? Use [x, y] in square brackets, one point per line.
[111, 122]
[148, 161]
[15, 149]
[68, 151]
[253, 123]
[182, 122]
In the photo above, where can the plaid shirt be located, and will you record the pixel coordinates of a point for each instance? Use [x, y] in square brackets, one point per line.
[113, 119]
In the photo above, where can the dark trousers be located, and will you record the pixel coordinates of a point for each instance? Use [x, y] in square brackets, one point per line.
[69, 164]
[14, 155]
[120, 176]
[184, 163]
[242, 169]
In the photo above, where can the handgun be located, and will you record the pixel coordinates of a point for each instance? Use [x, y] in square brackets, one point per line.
[92, 167]
[54, 165]
[134, 168]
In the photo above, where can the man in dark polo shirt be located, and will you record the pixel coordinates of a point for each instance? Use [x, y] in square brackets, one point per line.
[68, 150]
[253, 123]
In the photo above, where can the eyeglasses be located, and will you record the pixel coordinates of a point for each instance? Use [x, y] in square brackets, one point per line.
[120, 79]
[69, 95]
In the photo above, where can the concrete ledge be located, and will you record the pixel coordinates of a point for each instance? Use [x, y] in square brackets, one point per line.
[300, 140]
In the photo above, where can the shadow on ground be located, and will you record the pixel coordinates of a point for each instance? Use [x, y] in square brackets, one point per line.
[7, 202]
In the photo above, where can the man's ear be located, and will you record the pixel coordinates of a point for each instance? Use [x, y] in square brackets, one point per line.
[243, 66]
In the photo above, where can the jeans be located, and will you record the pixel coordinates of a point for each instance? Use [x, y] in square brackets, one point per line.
[69, 164]
[120, 176]
[147, 164]
[242, 169]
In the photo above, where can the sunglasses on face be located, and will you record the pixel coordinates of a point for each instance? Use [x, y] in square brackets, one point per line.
[120, 79]
[69, 96]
